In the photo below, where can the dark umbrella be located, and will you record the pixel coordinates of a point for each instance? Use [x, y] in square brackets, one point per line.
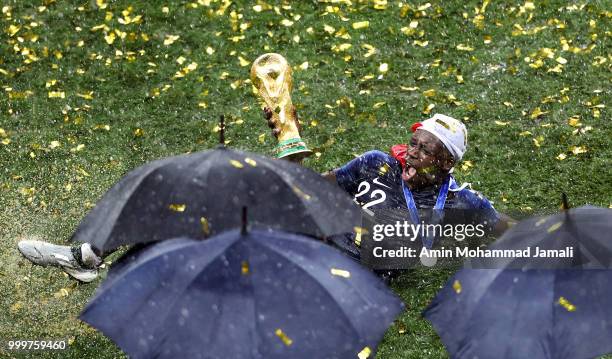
[527, 311]
[539, 313]
[587, 230]
[200, 194]
[258, 295]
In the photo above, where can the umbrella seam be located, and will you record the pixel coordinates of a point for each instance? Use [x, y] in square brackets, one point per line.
[326, 290]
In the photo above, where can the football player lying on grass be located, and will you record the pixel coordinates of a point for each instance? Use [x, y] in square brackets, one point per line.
[416, 178]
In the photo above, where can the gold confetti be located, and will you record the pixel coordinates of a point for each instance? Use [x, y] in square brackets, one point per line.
[574, 121]
[424, 7]
[359, 232]
[561, 156]
[538, 141]
[300, 193]
[63, 292]
[361, 25]
[428, 108]
[110, 38]
[578, 150]
[57, 94]
[401, 328]
[380, 4]
[286, 22]
[12, 30]
[86, 96]
[101, 4]
[286, 340]
[243, 62]
[540, 222]
[139, 132]
[341, 47]
[364, 353]
[16, 307]
[236, 164]
[554, 227]
[78, 148]
[250, 161]
[204, 225]
[566, 304]
[371, 50]
[328, 29]
[537, 112]
[340, 273]
[245, 268]
[378, 105]
[429, 93]
[466, 165]
[457, 286]
[170, 39]
[384, 169]
[462, 47]
[177, 207]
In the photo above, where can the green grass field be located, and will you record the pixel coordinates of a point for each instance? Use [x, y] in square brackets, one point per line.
[92, 89]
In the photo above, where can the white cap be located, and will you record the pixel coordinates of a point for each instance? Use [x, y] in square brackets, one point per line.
[450, 131]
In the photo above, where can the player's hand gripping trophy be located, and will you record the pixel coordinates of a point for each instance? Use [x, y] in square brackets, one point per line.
[271, 76]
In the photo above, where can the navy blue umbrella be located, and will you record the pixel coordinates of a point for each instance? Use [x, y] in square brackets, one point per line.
[525, 309]
[256, 295]
[511, 313]
[200, 195]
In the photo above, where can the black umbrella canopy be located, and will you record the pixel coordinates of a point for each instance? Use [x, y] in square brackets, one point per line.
[587, 230]
[514, 313]
[262, 294]
[201, 194]
[534, 307]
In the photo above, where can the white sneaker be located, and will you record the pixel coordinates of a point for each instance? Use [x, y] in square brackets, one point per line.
[47, 254]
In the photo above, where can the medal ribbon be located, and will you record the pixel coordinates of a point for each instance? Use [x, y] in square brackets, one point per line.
[437, 210]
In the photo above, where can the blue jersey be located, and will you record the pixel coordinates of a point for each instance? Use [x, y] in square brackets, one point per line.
[375, 182]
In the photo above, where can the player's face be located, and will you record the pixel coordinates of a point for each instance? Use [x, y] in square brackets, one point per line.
[426, 158]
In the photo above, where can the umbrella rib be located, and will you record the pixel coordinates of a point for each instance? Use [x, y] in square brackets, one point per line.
[187, 284]
[325, 289]
[110, 218]
[131, 266]
[236, 240]
[148, 170]
[285, 177]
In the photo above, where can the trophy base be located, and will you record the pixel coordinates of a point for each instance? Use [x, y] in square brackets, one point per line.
[294, 147]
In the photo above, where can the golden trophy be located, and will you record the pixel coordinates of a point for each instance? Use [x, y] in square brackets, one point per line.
[271, 76]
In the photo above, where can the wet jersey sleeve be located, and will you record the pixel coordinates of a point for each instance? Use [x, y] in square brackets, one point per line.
[365, 167]
[482, 211]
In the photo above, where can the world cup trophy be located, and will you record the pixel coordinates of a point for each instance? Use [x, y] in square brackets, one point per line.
[271, 76]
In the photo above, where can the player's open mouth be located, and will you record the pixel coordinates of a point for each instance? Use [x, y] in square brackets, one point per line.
[409, 172]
